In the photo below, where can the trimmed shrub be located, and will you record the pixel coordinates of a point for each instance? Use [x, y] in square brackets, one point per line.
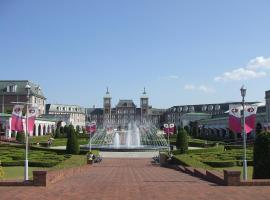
[220, 164]
[72, 142]
[182, 141]
[262, 156]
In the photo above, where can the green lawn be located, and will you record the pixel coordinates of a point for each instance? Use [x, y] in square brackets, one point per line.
[13, 173]
[74, 161]
[56, 141]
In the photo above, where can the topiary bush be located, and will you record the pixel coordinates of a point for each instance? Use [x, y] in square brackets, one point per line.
[72, 142]
[182, 141]
[262, 156]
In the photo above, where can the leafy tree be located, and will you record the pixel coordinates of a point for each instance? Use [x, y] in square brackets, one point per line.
[66, 130]
[262, 156]
[20, 137]
[57, 133]
[194, 129]
[187, 129]
[182, 140]
[259, 128]
[78, 129]
[72, 142]
[62, 130]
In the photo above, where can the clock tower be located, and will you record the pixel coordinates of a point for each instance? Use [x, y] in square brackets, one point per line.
[107, 107]
[144, 107]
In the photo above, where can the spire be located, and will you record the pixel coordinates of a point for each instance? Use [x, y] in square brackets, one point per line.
[107, 95]
[144, 91]
[144, 94]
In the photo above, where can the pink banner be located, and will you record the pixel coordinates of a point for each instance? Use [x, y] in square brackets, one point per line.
[16, 119]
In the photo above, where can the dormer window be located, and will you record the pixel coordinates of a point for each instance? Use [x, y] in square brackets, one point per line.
[11, 88]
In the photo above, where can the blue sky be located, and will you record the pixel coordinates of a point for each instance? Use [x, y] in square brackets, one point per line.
[179, 50]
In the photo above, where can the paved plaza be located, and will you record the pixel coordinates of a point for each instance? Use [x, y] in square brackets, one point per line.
[138, 179]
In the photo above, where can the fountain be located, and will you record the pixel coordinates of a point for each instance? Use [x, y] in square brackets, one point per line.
[134, 137]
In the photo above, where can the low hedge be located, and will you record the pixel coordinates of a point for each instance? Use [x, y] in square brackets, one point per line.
[240, 163]
[13, 163]
[220, 164]
[43, 164]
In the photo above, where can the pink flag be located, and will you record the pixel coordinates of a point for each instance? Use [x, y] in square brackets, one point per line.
[171, 129]
[168, 128]
[32, 113]
[250, 115]
[235, 118]
[16, 120]
[91, 127]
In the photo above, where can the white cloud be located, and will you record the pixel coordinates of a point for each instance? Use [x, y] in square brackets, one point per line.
[201, 88]
[256, 68]
[259, 63]
[189, 87]
[240, 74]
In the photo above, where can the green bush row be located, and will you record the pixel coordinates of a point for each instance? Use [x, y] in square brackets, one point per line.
[31, 163]
[227, 163]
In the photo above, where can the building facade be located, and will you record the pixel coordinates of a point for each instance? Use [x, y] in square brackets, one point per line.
[125, 112]
[267, 105]
[67, 114]
[14, 91]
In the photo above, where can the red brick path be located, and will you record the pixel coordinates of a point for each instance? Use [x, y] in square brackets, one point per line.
[138, 179]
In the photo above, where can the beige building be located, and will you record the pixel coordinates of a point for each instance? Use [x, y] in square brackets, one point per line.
[14, 91]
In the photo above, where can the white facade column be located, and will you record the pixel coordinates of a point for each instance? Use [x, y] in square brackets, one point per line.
[8, 130]
[37, 125]
[41, 130]
[46, 128]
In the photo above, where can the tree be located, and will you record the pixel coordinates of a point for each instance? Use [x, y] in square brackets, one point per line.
[57, 133]
[78, 129]
[72, 142]
[194, 128]
[62, 130]
[187, 129]
[259, 128]
[261, 156]
[20, 137]
[182, 140]
[66, 130]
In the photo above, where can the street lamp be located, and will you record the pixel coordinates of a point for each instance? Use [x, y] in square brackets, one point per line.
[243, 94]
[26, 178]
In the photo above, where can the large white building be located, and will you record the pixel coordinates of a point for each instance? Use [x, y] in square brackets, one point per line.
[67, 114]
[125, 112]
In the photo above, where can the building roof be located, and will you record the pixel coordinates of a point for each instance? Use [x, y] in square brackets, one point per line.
[64, 108]
[126, 103]
[94, 111]
[20, 90]
[209, 107]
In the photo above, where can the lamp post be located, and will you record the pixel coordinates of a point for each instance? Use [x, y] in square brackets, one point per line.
[243, 94]
[26, 178]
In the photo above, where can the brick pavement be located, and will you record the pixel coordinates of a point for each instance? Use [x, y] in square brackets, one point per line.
[134, 179]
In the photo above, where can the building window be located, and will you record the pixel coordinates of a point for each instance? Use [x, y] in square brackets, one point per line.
[11, 88]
